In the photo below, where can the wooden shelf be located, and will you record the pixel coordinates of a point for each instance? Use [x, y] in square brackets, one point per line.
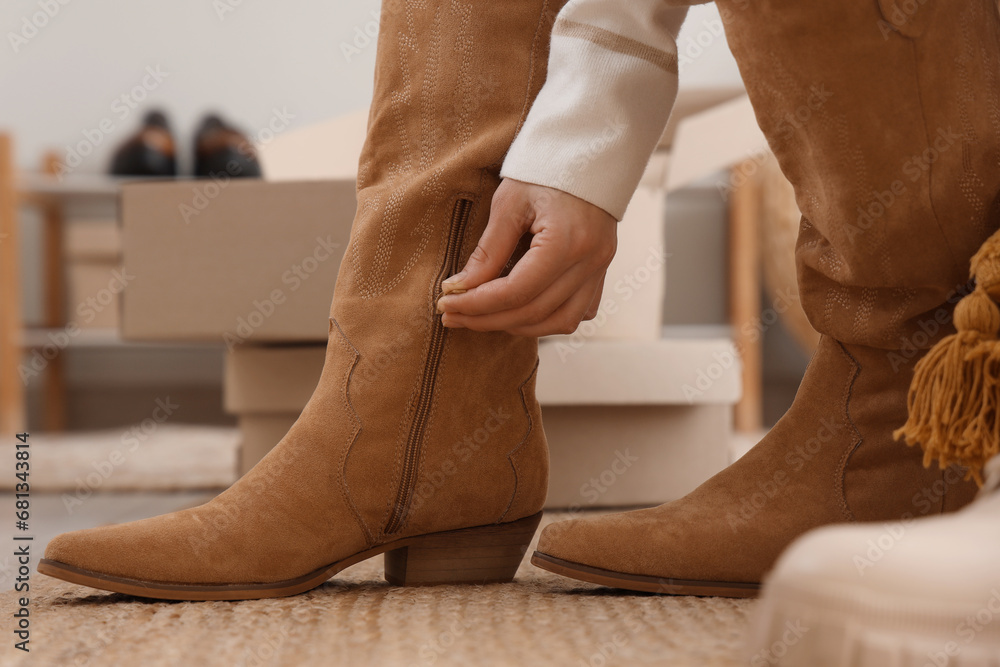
[35, 186]
[37, 337]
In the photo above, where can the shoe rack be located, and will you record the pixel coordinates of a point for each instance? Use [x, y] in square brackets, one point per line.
[48, 195]
[50, 254]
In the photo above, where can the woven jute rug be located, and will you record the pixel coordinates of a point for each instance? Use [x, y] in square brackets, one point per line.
[358, 619]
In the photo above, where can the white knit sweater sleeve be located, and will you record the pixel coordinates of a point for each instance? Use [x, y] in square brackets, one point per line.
[612, 81]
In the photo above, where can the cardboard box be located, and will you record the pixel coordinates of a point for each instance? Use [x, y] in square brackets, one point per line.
[93, 264]
[207, 256]
[91, 240]
[92, 294]
[627, 423]
[635, 423]
[238, 261]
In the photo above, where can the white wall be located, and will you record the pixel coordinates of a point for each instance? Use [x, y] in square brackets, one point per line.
[705, 60]
[245, 62]
[244, 58]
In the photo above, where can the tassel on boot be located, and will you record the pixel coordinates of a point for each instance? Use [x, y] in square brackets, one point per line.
[955, 394]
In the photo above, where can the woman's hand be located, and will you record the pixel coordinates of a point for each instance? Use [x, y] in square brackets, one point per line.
[554, 286]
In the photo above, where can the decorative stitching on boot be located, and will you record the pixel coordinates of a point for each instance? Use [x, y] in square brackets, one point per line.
[345, 492]
[859, 439]
[971, 184]
[371, 280]
[862, 317]
[527, 434]
[903, 296]
[835, 296]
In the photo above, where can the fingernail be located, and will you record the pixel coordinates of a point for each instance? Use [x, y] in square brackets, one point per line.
[440, 304]
[447, 321]
[454, 284]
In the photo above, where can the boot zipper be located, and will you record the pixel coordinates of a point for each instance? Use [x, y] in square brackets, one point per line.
[408, 481]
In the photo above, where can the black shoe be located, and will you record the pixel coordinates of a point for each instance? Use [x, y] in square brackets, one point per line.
[222, 151]
[149, 152]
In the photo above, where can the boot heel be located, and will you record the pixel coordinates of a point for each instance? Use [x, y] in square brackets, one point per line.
[482, 555]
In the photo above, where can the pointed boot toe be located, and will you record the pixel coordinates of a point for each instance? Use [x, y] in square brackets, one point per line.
[79, 549]
[126, 551]
[143, 552]
[594, 542]
[817, 466]
[660, 554]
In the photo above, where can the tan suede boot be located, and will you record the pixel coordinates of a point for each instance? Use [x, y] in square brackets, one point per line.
[888, 125]
[420, 442]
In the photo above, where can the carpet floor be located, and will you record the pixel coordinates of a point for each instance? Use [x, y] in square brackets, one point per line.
[357, 619]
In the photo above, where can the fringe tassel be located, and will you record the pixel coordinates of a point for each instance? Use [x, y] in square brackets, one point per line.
[954, 399]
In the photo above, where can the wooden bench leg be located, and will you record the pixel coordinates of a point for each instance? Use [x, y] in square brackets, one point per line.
[54, 389]
[12, 402]
[744, 294]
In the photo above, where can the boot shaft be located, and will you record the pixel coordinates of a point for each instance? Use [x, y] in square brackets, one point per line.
[448, 417]
[884, 117]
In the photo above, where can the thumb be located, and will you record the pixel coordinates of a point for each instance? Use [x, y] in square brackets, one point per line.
[507, 224]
